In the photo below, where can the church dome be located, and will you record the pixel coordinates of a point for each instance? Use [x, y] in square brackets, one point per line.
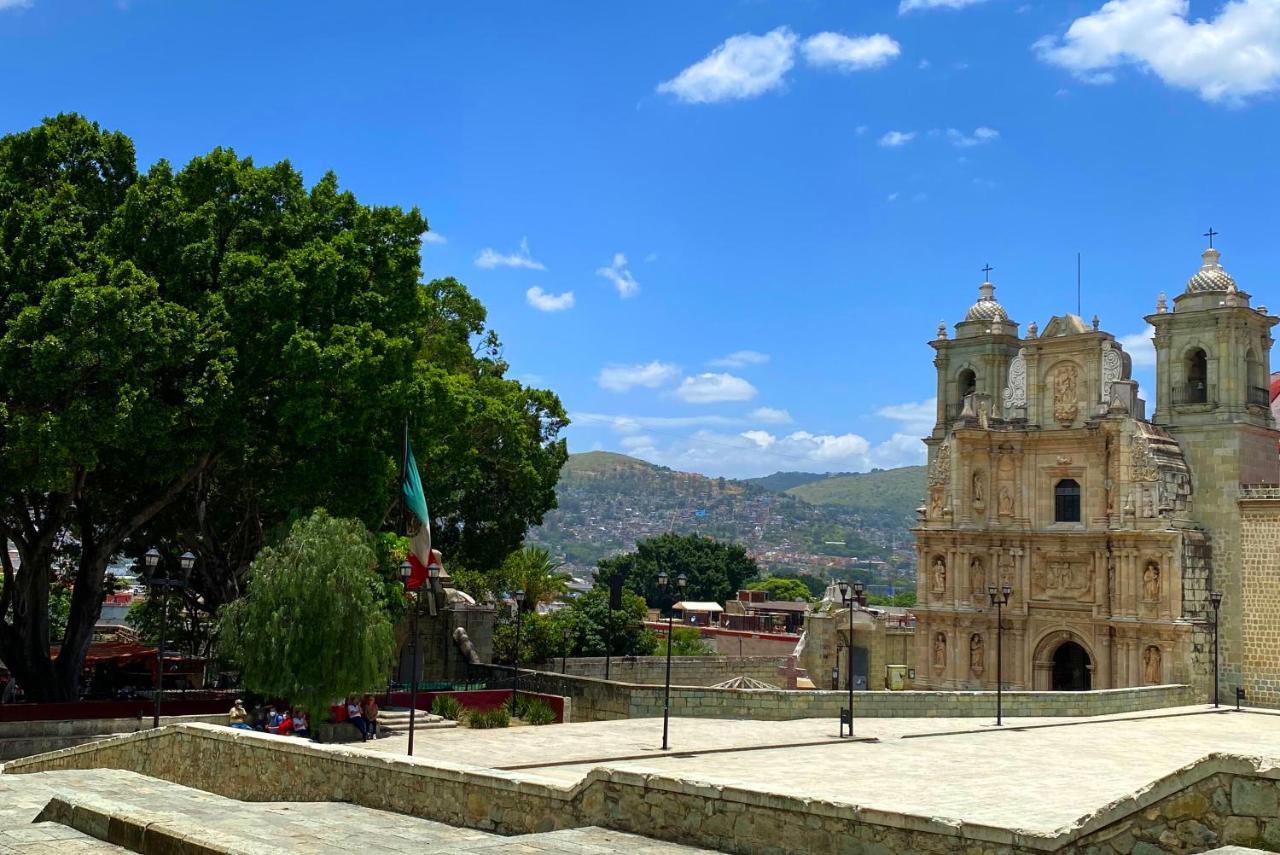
[1210, 276]
[986, 309]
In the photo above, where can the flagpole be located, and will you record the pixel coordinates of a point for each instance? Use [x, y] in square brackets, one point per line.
[402, 527]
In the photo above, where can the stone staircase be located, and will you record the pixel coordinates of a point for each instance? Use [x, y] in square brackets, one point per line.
[115, 811]
[393, 721]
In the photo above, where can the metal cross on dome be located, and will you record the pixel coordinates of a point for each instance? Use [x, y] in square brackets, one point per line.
[986, 271]
[1210, 235]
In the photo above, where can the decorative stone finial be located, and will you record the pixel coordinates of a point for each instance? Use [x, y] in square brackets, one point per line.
[1033, 329]
[1095, 323]
[1162, 304]
[1210, 276]
[1232, 295]
[942, 329]
[1262, 310]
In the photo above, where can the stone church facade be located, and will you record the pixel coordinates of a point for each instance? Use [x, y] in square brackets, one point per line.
[1110, 528]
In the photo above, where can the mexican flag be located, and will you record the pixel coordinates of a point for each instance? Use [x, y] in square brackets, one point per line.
[415, 502]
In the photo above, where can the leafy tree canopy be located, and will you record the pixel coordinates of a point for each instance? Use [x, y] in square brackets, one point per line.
[588, 621]
[782, 588]
[715, 571]
[312, 627]
[192, 359]
[685, 641]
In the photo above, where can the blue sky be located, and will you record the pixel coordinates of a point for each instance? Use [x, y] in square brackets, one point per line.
[762, 209]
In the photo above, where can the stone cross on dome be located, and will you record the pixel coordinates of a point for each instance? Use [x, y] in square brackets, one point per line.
[986, 270]
[1211, 234]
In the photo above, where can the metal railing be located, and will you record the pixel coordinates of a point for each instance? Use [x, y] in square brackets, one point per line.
[1194, 393]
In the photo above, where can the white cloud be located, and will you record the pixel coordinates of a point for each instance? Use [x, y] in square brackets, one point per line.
[544, 302]
[892, 197]
[1228, 59]
[894, 139]
[429, 237]
[1140, 348]
[740, 359]
[743, 66]
[651, 375]
[978, 137]
[620, 276]
[14, 4]
[712, 388]
[626, 425]
[918, 5]
[771, 416]
[850, 53]
[757, 452]
[915, 417]
[490, 258]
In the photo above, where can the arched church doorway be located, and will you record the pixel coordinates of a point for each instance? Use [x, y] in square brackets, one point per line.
[1071, 668]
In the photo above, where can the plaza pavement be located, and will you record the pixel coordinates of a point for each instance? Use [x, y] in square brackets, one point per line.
[1038, 775]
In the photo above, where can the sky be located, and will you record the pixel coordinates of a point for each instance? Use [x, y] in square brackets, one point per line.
[725, 232]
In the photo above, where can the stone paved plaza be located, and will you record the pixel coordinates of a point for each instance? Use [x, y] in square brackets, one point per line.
[1034, 773]
[1018, 788]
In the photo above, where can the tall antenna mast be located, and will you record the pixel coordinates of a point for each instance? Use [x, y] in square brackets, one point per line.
[1078, 309]
[1078, 284]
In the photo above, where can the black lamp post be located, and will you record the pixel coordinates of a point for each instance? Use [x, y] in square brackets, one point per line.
[155, 582]
[1215, 597]
[681, 581]
[565, 632]
[851, 596]
[515, 684]
[406, 572]
[999, 599]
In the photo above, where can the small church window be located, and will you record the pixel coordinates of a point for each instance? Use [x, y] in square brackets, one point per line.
[968, 383]
[1066, 501]
[1197, 391]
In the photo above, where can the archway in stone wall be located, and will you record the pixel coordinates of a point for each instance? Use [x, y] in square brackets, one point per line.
[1062, 662]
[1072, 671]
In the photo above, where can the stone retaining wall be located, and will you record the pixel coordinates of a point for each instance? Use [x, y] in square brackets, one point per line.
[1221, 798]
[25, 738]
[685, 670]
[600, 700]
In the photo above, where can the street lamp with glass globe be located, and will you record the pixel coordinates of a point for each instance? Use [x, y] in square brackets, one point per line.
[151, 560]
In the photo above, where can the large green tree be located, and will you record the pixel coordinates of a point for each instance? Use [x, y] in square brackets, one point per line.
[194, 358]
[312, 627]
[715, 570]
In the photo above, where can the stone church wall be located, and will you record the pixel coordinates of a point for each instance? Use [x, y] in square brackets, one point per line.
[1260, 593]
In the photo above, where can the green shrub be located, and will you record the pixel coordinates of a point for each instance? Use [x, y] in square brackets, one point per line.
[447, 706]
[534, 711]
[488, 719]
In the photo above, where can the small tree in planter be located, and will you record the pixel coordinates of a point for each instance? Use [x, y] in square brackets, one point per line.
[312, 626]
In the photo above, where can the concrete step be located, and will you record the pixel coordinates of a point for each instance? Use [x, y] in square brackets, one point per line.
[397, 721]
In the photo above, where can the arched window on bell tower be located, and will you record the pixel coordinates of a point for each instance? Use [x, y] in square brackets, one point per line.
[1257, 389]
[968, 382]
[1196, 390]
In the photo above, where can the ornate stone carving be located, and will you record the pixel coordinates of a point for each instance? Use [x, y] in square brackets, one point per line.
[940, 471]
[979, 490]
[977, 654]
[1144, 464]
[1151, 662]
[935, 502]
[1006, 501]
[977, 576]
[1061, 579]
[1066, 396]
[1151, 582]
[939, 651]
[939, 571]
[1015, 394]
[1112, 369]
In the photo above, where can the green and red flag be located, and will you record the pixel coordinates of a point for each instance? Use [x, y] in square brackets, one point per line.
[415, 502]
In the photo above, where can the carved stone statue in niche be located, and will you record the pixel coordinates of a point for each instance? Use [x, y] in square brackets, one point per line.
[935, 502]
[940, 651]
[939, 575]
[977, 654]
[979, 490]
[1151, 670]
[978, 576]
[1148, 503]
[1151, 582]
[1006, 501]
[1066, 399]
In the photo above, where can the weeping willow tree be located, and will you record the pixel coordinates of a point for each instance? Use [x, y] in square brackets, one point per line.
[313, 626]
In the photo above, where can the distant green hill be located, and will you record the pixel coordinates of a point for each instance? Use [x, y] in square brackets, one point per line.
[781, 482]
[608, 501]
[897, 491]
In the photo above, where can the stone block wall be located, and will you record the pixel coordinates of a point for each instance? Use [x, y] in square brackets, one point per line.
[600, 700]
[1218, 799]
[685, 670]
[1260, 590]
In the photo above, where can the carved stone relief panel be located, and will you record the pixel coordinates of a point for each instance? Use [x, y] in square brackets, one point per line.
[1061, 577]
[1066, 393]
[1015, 394]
